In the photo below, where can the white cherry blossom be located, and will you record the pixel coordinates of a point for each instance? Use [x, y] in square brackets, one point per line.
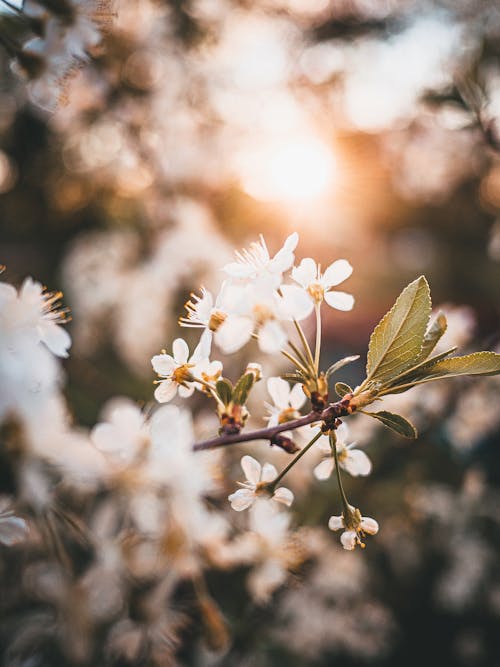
[355, 527]
[257, 265]
[35, 313]
[286, 401]
[318, 286]
[124, 434]
[178, 371]
[256, 477]
[353, 461]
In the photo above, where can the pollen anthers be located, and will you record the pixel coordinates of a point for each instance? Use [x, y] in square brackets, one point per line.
[317, 292]
[183, 374]
[51, 306]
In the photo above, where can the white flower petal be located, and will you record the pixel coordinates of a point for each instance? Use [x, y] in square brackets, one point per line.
[271, 337]
[369, 525]
[180, 351]
[349, 539]
[297, 397]
[305, 273]
[163, 364]
[342, 433]
[323, 444]
[357, 463]
[55, 337]
[237, 270]
[234, 333]
[269, 473]
[284, 496]
[186, 392]
[324, 469]
[7, 294]
[251, 468]
[283, 259]
[340, 300]
[165, 391]
[241, 499]
[336, 273]
[279, 390]
[202, 350]
[295, 303]
[335, 523]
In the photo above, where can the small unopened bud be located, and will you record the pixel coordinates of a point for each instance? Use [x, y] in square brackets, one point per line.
[255, 369]
[286, 443]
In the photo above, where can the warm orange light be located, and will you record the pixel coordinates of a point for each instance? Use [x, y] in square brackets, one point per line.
[289, 171]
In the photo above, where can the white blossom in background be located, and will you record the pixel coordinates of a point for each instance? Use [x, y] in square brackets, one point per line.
[318, 286]
[125, 435]
[354, 461]
[178, 371]
[13, 529]
[256, 477]
[354, 528]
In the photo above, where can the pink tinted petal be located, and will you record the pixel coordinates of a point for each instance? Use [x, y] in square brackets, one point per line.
[357, 463]
[336, 273]
[269, 472]
[271, 337]
[324, 469]
[305, 273]
[234, 333]
[252, 469]
[284, 496]
[163, 364]
[340, 300]
[335, 523]
[369, 525]
[180, 351]
[349, 539]
[279, 390]
[165, 391]
[241, 499]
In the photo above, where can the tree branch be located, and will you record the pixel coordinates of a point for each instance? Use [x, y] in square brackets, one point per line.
[333, 411]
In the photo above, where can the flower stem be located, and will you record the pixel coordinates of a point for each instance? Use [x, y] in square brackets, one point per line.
[272, 485]
[317, 349]
[333, 445]
[295, 361]
[305, 344]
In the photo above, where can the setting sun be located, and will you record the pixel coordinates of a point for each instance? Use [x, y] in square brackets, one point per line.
[299, 169]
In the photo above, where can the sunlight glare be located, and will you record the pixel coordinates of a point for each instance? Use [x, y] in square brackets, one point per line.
[295, 170]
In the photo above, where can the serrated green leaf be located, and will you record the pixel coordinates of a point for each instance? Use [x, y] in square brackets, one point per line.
[242, 388]
[418, 371]
[395, 422]
[224, 390]
[339, 364]
[477, 363]
[341, 389]
[397, 340]
[434, 333]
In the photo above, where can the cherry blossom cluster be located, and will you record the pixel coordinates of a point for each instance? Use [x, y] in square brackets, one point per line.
[266, 297]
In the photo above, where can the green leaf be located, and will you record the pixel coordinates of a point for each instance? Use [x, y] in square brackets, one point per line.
[242, 388]
[339, 364]
[395, 422]
[477, 363]
[433, 334]
[341, 389]
[224, 390]
[396, 342]
[418, 371]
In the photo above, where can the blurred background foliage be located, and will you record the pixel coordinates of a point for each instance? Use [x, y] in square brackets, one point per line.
[373, 129]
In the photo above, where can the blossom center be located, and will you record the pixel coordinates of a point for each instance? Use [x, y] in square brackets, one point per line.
[182, 374]
[316, 292]
[216, 319]
[288, 415]
[262, 314]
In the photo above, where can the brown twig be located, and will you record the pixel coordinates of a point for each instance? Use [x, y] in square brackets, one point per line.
[328, 415]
